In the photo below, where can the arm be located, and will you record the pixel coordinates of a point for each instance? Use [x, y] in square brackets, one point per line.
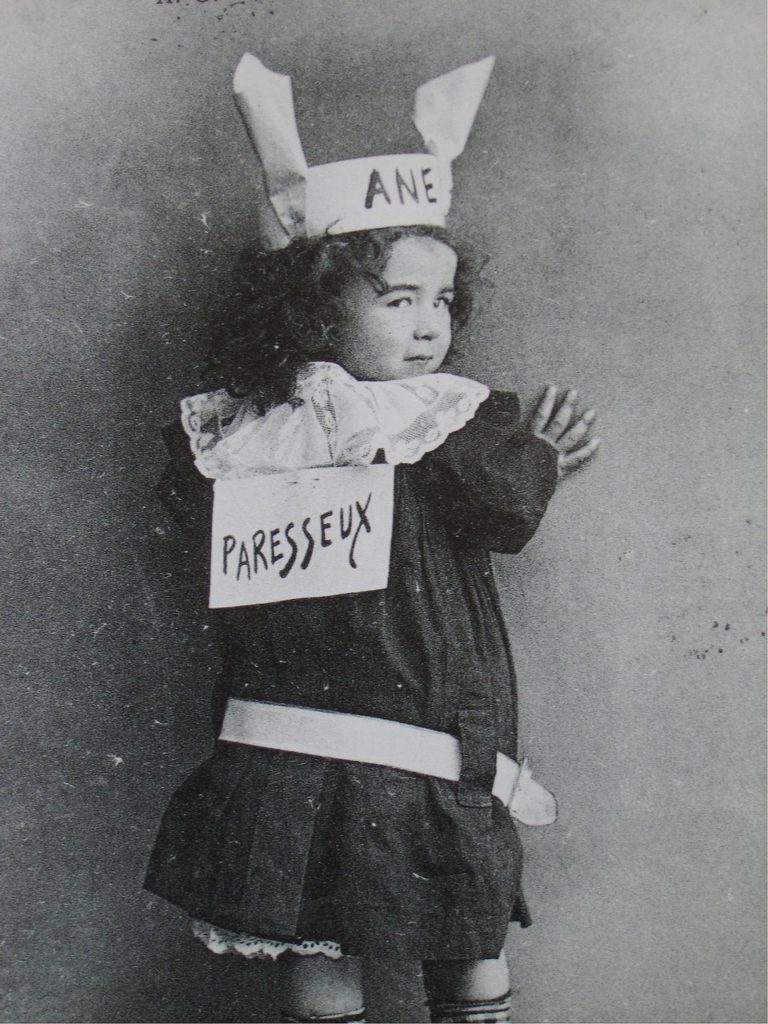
[492, 480]
[186, 494]
[188, 497]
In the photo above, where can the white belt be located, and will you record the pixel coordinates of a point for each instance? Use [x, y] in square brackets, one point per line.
[409, 748]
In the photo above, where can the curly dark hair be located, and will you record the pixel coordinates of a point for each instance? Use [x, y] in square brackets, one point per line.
[286, 306]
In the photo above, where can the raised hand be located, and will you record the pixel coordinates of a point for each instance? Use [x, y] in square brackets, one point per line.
[554, 420]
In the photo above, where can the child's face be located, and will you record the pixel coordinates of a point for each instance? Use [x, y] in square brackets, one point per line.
[406, 330]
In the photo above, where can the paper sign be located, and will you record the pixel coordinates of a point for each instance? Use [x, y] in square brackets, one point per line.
[375, 192]
[310, 533]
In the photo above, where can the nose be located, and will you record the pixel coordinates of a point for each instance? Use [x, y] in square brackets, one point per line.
[426, 327]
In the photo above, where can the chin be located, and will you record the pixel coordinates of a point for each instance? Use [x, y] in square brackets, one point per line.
[419, 369]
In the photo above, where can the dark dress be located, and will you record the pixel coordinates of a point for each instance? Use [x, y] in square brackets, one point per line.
[293, 847]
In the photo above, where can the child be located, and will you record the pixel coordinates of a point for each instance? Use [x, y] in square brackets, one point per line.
[354, 805]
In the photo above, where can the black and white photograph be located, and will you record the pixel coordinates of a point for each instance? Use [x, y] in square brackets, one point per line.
[384, 564]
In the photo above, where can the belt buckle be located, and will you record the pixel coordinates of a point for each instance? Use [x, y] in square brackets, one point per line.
[523, 774]
[529, 802]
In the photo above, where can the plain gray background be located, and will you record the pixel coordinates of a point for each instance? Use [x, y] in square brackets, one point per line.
[615, 177]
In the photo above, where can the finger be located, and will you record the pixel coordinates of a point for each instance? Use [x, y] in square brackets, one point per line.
[572, 437]
[568, 461]
[544, 410]
[562, 417]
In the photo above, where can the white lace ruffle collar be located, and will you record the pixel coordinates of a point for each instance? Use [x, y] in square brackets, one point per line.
[337, 421]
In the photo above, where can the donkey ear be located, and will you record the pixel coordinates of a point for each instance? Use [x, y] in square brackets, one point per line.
[265, 100]
[445, 108]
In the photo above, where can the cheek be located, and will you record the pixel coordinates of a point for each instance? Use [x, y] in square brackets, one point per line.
[351, 331]
[377, 334]
[447, 326]
[359, 350]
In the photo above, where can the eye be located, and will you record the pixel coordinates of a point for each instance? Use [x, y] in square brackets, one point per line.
[446, 301]
[401, 300]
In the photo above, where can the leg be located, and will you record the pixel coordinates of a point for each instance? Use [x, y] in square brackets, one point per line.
[317, 988]
[467, 990]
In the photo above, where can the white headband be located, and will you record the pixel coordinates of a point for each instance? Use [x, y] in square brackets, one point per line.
[356, 195]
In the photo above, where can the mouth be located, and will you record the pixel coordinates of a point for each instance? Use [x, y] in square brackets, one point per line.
[419, 360]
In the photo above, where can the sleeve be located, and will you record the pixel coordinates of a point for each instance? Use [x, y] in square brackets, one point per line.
[188, 497]
[186, 494]
[491, 481]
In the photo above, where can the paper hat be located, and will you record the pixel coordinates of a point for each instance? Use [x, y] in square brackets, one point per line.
[356, 195]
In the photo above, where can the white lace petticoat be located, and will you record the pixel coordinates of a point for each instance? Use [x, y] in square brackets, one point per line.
[220, 940]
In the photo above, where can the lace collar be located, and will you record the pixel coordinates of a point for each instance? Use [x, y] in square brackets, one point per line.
[334, 421]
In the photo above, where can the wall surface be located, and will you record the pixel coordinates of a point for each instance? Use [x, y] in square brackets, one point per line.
[615, 177]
